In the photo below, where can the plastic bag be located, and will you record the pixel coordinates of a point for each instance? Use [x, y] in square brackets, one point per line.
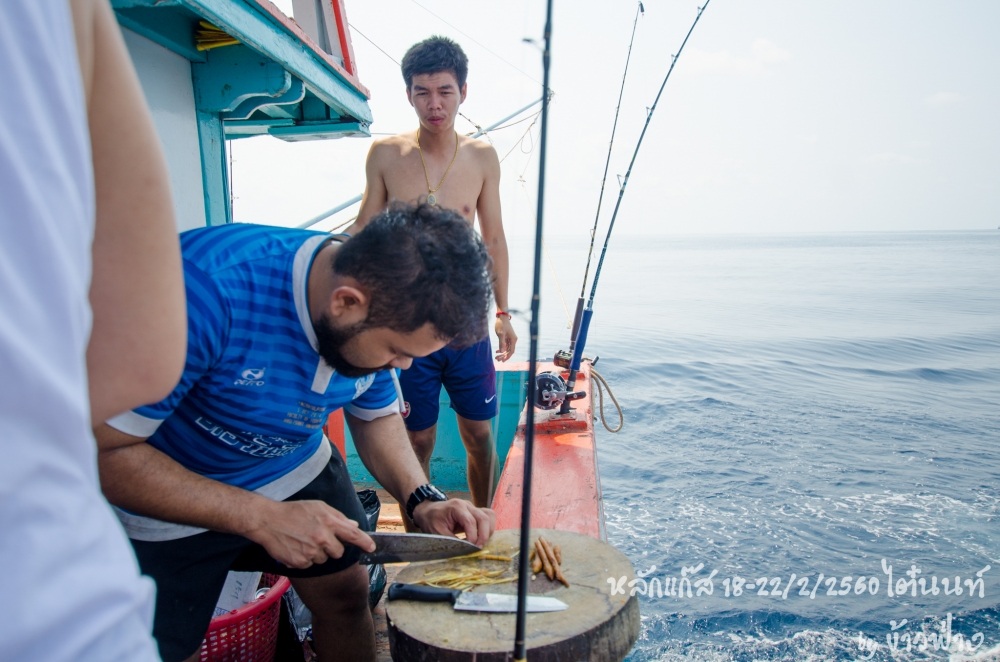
[376, 572]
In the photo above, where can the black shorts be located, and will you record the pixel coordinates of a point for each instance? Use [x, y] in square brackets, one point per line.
[190, 572]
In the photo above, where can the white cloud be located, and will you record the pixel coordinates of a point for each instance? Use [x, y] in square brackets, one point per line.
[767, 52]
[895, 158]
[943, 99]
[763, 53]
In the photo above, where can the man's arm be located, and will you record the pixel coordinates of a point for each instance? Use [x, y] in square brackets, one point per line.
[139, 478]
[385, 450]
[137, 344]
[491, 227]
[376, 195]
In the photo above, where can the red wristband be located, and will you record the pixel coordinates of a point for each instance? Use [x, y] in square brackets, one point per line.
[501, 312]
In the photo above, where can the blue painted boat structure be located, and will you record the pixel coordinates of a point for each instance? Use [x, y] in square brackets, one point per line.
[279, 80]
[448, 463]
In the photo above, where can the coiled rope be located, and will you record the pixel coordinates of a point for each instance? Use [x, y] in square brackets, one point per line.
[599, 381]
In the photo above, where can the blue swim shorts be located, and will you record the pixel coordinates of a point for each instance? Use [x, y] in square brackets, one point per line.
[467, 374]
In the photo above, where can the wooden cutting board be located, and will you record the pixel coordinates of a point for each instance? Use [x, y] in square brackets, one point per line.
[601, 623]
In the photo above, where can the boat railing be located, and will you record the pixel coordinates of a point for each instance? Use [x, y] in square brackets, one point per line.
[356, 199]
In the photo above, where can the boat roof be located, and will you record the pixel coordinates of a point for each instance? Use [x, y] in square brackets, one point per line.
[273, 76]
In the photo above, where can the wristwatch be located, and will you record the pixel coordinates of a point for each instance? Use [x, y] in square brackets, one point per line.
[423, 493]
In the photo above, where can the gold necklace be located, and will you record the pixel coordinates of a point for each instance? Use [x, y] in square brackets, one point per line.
[431, 198]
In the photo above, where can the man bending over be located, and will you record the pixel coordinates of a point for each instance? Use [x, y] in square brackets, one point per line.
[231, 471]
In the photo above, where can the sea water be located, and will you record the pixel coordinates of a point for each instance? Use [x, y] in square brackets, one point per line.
[809, 467]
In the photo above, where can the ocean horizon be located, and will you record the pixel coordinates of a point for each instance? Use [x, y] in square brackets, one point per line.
[809, 464]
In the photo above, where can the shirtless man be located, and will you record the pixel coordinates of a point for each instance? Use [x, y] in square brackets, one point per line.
[437, 165]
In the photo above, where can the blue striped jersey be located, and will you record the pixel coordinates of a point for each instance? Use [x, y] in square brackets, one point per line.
[254, 394]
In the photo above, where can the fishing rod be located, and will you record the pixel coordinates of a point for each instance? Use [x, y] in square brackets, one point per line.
[524, 568]
[600, 198]
[579, 340]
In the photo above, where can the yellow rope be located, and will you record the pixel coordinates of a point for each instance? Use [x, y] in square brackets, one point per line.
[207, 36]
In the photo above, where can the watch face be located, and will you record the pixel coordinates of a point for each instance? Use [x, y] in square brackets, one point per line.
[423, 493]
[434, 493]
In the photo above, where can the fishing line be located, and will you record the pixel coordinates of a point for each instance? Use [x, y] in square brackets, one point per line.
[479, 130]
[577, 317]
[456, 29]
[614, 128]
[649, 116]
[354, 29]
[579, 339]
[533, 118]
[524, 567]
[473, 40]
[520, 141]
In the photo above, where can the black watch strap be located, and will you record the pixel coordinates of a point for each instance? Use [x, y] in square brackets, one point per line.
[426, 492]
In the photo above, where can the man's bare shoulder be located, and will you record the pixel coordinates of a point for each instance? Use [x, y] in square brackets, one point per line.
[484, 155]
[479, 147]
[392, 147]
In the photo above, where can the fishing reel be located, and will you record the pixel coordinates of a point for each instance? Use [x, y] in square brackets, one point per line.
[551, 391]
[563, 358]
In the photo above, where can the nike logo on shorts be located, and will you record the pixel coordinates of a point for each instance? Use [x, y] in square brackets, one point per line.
[491, 398]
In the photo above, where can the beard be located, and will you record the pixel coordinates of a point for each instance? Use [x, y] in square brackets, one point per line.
[331, 339]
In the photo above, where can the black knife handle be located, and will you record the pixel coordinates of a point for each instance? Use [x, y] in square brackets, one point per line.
[398, 591]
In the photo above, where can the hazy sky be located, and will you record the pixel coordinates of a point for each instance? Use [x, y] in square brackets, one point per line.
[780, 116]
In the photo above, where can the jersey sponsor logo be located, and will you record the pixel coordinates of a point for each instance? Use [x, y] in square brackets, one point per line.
[362, 385]
[251, 377]
[251, 443]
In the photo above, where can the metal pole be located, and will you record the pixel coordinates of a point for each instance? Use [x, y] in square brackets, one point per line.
[524, 568]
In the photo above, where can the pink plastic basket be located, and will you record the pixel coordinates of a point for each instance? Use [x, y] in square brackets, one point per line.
[250, 633]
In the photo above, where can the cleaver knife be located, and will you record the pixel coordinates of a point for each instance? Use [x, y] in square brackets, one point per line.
[469, 601]
[400, 547]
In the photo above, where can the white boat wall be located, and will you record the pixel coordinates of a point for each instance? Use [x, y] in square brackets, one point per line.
[218, 70]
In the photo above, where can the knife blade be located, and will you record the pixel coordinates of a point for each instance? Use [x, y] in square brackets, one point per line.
[400, 547]
[469, 601]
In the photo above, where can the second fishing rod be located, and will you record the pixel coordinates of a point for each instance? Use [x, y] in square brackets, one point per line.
[572, 358]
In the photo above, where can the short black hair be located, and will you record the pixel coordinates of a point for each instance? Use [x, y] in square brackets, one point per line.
[419, 264]
[432, 55]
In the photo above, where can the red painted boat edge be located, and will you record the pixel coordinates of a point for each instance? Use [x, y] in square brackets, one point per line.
[566, 486]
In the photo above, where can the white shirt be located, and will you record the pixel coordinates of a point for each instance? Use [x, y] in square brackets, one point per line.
[71, 589]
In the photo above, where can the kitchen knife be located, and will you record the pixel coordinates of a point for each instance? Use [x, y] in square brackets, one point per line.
[469, 601]
[399, 547]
